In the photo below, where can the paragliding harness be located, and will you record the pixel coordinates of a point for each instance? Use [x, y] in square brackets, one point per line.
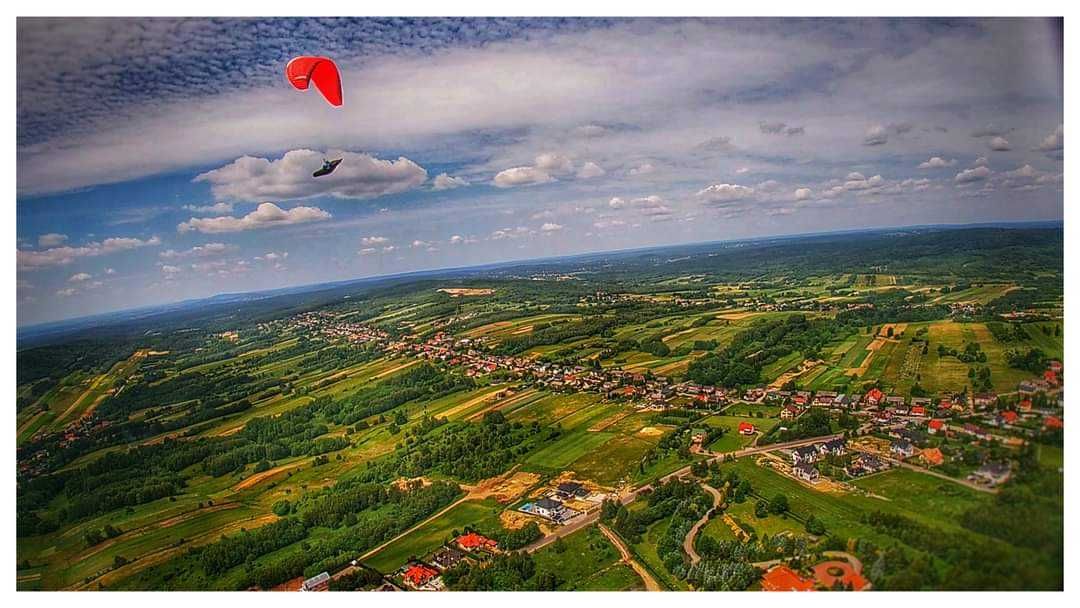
[327, 168]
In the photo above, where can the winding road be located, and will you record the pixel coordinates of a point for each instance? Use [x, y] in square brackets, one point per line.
[628, 559]
[688, 542]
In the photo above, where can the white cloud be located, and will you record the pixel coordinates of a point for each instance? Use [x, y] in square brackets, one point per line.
[999, 144]
[170, 270]
[642, 169]
[980, 162]
[448, 182]
[591, 131]
[198, 251]
[616, 203]
[521, 176]
[52, 239]
[374, 241]
[220, 208]
[1053, 142]
[67, 292]
[725, 193]
[875, 136]
[936, 162]
[80, 277]
[550, 227]
[511, 233]
[358, 176]
[590, 170]
[110, 271]
[267, 215]
[972, 175]
[802, 194]
[59, 256]
[551, 162]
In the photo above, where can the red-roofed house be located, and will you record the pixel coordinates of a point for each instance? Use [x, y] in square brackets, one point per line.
[1010, 416]
[783, 578]
[874, 397]
[932, 456]
[935, 426]
[473, 541]
[745, 428]
[1050, 377]
[918, 410]
[418, 575]
[1024, 406]
[1053, 422]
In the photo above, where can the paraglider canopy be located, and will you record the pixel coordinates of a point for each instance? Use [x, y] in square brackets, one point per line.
[327, 168]
[321, 70]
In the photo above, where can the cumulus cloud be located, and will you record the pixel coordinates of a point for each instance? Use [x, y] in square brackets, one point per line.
[642, 169]
[1054, 142]
[876, 135]
[554, 163]
[550, 227]
[511, 233]
[80, 277]
[590, 170]
[52, 239]
[999, 144]
[725, 193]
[980, 162]
[374, 241]
[802, 194]
[219, 208]
[267, 215]
[521, 176]
[936, 162]
[359, 176]
[67, 292]
[59, 256]
[198, 251]
[457, 239]
[972, 175]
[448, 182]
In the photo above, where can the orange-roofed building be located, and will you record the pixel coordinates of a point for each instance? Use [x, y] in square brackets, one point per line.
[933, 456]
[936, 426]
[1053, 422]
[874, 396]
[745, 428]
[1024, 406]
[782, 578]
[1050, 377]
[1010, 416]
[419, 574]
[473, 541]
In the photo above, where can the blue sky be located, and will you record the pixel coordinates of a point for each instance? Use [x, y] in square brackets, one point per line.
[161, 160]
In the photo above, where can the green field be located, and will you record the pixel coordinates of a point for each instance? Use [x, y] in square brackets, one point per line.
[427, 537]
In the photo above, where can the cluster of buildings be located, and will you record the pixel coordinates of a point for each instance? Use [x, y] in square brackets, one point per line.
[426, 575]
[565, 502]
[803, 458]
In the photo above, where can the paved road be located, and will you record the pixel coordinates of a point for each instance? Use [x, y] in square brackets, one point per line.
[688, 542]
[628, 559]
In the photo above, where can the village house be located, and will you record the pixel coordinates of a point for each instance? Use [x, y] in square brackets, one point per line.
[992, 474]
[935, 426]
[549, 508]
[571, 489]
[874, 397]
[902, 448]
[789, 412]
[805, 454]
[865, 464]
[806, 472]
[419, 575]
[932, 457]
[745, 428]
[447, 557]
[472, 541]
[319, 582]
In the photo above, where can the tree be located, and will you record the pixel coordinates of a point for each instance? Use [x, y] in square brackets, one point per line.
[761, 510]
[778, 504]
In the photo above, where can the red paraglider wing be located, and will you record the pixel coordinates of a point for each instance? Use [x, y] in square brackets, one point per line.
[321, 70]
